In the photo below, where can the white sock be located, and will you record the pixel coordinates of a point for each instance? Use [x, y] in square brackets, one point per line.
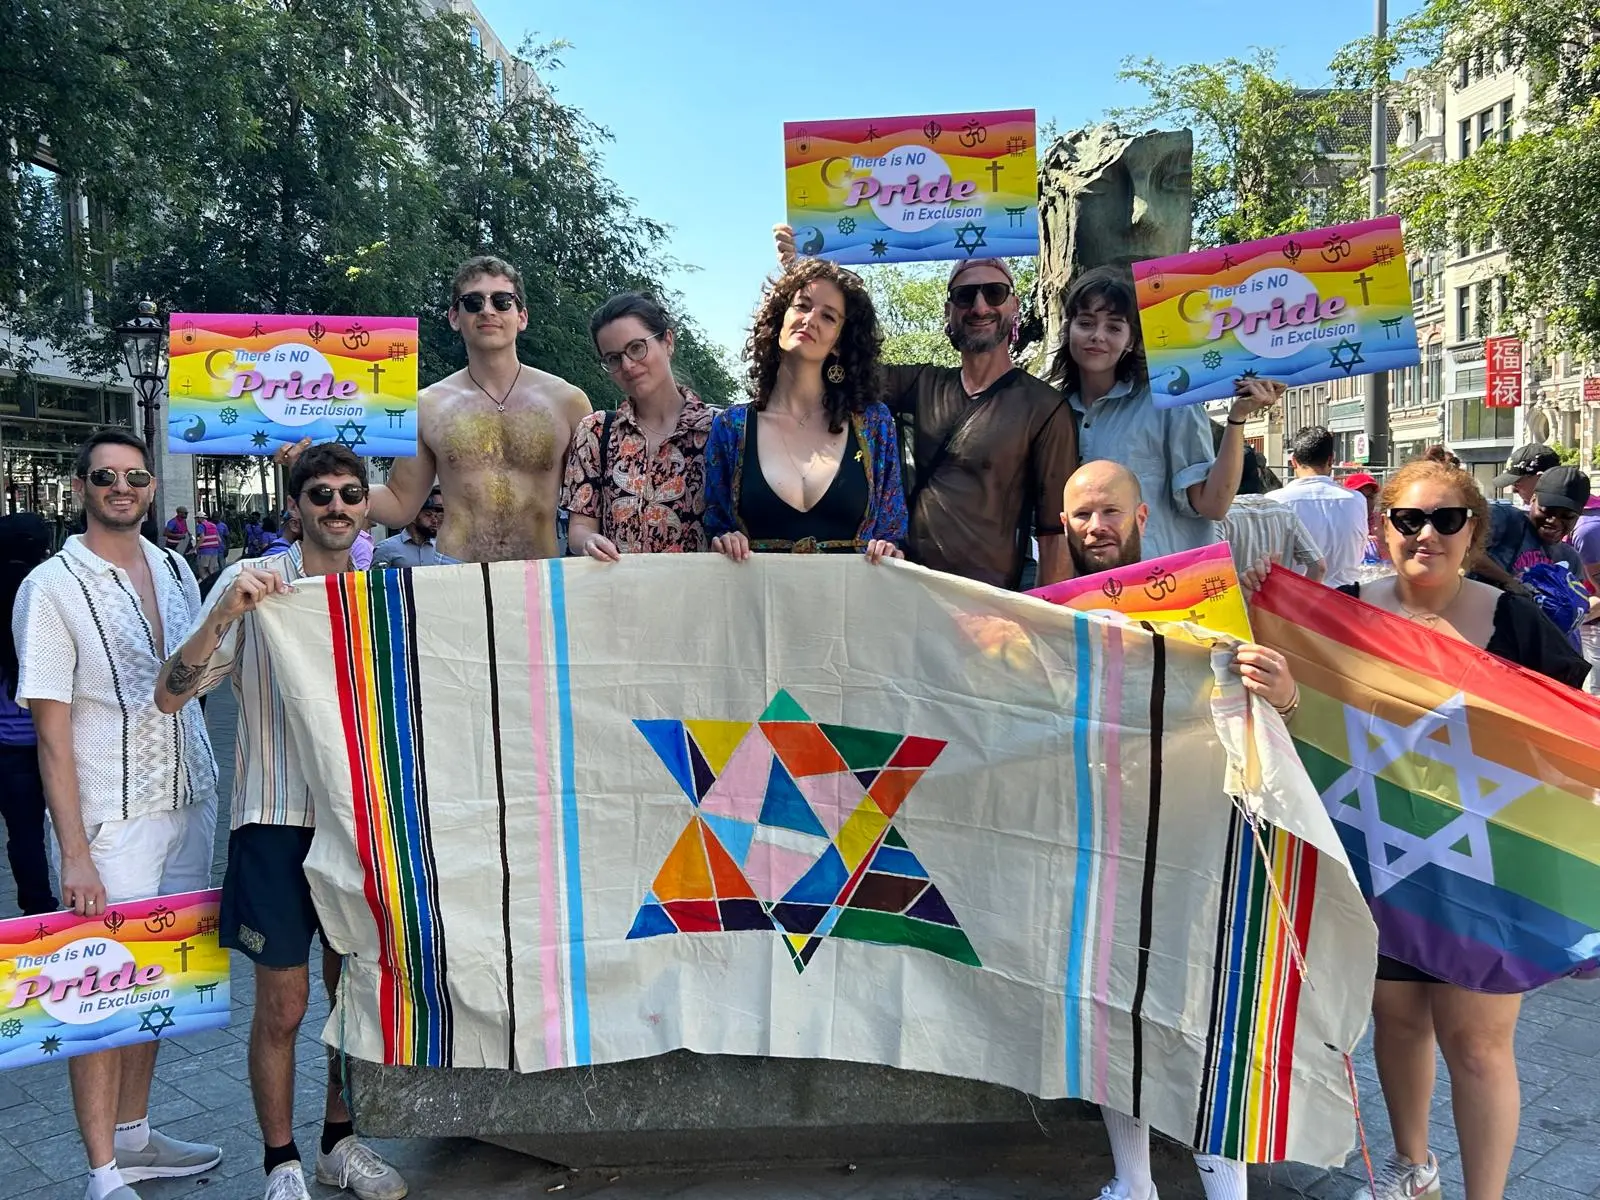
[1130, 1150]
[1223, 1178]
[103, 1181]
[133, 1135]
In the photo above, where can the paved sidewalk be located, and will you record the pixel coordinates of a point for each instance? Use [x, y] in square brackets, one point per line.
[201, 1092]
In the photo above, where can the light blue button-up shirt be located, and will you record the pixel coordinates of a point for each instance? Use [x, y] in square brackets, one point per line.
[1169, 449]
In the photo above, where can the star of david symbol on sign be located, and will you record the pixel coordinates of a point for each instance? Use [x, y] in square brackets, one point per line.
[1346, 356]
[156, 1019]
[350, 434]
[792, 832]
[1482, 789]
[969, 237]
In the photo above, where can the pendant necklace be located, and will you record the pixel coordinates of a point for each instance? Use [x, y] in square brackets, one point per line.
[500, 404]
[1428, 619]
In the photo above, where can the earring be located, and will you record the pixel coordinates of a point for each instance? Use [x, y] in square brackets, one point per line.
[835, 373]
[1016, 329]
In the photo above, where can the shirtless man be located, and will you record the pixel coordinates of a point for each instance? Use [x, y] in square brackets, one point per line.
[495, 433]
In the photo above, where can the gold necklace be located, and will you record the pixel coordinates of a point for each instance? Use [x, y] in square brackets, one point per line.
[1428, 618]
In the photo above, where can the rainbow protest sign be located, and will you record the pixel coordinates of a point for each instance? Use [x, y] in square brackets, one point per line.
[243, 384]
[911, 189]
[1199, 587]
[1300, 308]
[74, 985]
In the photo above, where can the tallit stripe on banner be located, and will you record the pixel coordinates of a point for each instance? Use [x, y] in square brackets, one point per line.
[1110, 853]
[1147, 889]
[550, 935]
[572, 859]
[1218, 1034]
[500, 800]
[1084, 866]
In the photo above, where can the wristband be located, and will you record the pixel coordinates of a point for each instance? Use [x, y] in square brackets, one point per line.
[1231, 421]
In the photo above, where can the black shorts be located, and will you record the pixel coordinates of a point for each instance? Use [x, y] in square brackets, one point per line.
[267, 914]
[1395, 971]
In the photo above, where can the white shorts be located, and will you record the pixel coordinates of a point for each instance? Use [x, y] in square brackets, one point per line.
[160, 854]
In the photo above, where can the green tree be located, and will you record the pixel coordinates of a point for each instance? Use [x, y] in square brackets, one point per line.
[1538, 193]
[1269, 157]
[326, 159]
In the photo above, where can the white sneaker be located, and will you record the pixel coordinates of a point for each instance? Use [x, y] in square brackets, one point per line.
[1398, 1179]
[354, 1166]
[287, 1182]
[166, 1157]
[1117, 1190]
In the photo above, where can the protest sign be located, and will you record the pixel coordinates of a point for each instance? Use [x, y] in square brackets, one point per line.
[243, 384]
[1200, 587]
[1300, 308]
[76, 985]
[913, 189]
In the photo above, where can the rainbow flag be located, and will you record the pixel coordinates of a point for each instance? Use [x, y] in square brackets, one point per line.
[1199, 587]
[1466, 791]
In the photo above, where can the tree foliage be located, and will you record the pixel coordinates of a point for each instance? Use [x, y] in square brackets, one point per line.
[284, 156]
[1537, 194]
[1269, 157]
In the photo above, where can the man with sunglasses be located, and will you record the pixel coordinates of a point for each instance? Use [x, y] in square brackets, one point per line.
[131, 787]
[267, 912]
[1520, 542]
[496, 434]
[988, 447]
[414, 545]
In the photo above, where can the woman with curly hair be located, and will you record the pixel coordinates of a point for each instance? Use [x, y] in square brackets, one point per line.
[811, 464]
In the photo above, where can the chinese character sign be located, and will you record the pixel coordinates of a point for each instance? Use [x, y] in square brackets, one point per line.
[1300, 308]
[243, 384]
[1591, 389]
[1504, 376]
[912, 189]
[75, 985]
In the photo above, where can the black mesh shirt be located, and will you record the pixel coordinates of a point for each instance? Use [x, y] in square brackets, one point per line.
[983, 473]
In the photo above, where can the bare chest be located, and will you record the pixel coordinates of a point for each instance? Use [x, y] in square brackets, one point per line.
[530, 440]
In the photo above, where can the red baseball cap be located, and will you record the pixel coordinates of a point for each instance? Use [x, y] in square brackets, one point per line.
[1359, 480]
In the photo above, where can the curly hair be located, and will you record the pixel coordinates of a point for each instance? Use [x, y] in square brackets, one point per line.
[1430, 470]
[859, 346]
[1109, 288]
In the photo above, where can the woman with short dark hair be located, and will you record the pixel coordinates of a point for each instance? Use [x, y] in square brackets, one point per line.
[812, 463]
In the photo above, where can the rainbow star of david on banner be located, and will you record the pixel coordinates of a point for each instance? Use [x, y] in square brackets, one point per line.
[792, 831]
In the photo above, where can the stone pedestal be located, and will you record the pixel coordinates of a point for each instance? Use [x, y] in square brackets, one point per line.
[685, 1109]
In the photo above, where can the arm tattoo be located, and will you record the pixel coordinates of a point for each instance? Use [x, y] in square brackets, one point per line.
[183, 678]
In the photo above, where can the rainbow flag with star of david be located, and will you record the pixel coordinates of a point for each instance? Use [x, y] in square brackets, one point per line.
[1466, 790]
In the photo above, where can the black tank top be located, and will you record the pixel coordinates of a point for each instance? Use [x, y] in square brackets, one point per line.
[832, 525]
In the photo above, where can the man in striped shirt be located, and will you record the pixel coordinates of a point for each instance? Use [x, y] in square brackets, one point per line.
[267, 912]
[131, 790]
[1258, 527]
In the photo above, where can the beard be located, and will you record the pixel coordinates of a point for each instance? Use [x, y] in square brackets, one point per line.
[1104, 558]
[100, 510]
[981, 339]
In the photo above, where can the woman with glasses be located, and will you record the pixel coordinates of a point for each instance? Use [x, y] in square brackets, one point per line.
[1435, 524]
[635, 481]
[811, 464]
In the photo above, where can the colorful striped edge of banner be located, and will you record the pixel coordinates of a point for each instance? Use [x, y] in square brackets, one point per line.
[373, 618]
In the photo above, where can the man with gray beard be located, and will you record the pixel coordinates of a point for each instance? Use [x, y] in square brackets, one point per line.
[987, 446]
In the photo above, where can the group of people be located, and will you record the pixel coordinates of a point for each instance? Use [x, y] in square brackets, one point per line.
[962, 469]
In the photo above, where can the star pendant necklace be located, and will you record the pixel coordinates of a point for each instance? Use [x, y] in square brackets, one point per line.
[1424, 618]
[500, 404]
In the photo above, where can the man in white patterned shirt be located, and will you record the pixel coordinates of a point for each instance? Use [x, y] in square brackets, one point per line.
[131, 789]
[267, 913]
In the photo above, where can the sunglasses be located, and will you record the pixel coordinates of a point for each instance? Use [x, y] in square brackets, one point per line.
[1446, 521]
[965, 295]
[137, 477]
[473, 302]
[634, 351]
[321, 494]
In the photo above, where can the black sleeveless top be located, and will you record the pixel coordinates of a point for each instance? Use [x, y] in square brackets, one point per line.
[831, 526]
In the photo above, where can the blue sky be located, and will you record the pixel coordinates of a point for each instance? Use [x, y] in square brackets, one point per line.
[696, 91]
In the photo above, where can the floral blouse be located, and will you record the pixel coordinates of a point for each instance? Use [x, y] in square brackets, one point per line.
[646, 504]
[874, 433]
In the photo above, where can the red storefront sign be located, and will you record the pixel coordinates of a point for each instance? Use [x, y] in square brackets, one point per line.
[1504, 357]
[1591, 389]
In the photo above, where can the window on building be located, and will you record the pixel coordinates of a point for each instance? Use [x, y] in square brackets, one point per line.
[474, 38]
[1463, 313]
[1505, 120]
[1416, 281]
[1461, 74]
[1435, 385]
[1476, 64]
[500, 81]
[1465, 128]
[1470, 420]
[1485, 127]
[1502, 300]
[1483, 315]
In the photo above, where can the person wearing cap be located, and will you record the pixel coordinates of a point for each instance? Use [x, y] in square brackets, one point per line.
[1523, 469]
[988, 446]
[1369, 487]
[1522, 543]
[1586, 541]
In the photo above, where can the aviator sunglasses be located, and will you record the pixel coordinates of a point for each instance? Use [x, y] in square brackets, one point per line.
[473, 301]
[137, 477]
[1446, 521]
[321, 494]
[965, 295]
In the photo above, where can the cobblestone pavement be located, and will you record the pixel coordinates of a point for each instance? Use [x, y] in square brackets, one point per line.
[201, 1093]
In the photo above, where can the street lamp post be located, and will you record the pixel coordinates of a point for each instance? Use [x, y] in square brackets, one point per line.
[144, 355]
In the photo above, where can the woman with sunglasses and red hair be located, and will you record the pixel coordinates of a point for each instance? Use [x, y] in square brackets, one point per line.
[1435, 522]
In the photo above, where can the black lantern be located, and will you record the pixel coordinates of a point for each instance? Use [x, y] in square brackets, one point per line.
[144, 357]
